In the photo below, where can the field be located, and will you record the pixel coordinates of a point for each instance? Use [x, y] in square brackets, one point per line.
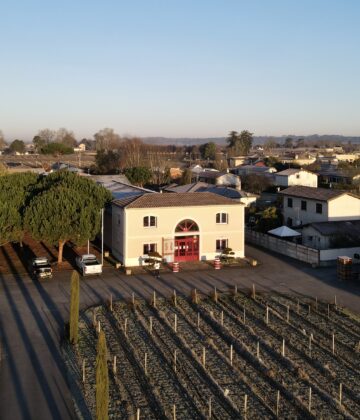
[223, 356]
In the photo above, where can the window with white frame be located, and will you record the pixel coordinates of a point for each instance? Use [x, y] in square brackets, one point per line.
[222, 218]
[147, 248]
[149, 221]
[221, 244]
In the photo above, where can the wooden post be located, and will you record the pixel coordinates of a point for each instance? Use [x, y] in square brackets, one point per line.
[83, 371]
[175, 359]
[277, 403]
[145, 363]
[267, 315]
[258, 350]
[235, 290]
[125, 327]
[209, 407]
[222, 318]
[309, 309]
[340, 394]
[111, 300]
[175, 323]
[215, 295]
[335, 301]
[154, 299]
[198, 319]
[333, 343]
[288, 314]
[310, 392]
[253, 292]
[231, 354]
[283, 348]
[133, 302]
[174, 412]
[196, 296]
[138, 414]
[204, 357]
[114, 365]
[150, 324]
[175, 300]
[99, 327]
[245, 404]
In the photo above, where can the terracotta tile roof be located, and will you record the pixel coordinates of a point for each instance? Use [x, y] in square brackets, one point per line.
[174, 200]
[320, 194]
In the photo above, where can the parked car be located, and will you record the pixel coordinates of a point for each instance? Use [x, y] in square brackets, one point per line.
[88, 264]
[41, 268]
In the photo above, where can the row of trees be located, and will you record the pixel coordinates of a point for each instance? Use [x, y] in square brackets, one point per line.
[58, 208]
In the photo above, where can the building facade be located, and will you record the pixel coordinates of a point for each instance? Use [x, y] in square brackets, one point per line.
[181, 227]
[291, 177]
[303, 205]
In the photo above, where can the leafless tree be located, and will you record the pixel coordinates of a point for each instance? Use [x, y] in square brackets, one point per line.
[2, 140]
[65, 137]
[47, 135]
[107, 139]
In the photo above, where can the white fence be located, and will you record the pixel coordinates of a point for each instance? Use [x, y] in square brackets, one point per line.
[300, 252]
[329, 255]
[291, 249]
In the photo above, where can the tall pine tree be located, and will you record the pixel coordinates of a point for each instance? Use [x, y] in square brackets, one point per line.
[102, 379]
[74, 307]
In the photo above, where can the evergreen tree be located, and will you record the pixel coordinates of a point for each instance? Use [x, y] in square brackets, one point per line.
[74, 307]
[66, 208]
[102, 379]
[16, 191]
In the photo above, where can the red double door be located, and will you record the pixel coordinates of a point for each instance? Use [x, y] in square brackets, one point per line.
[187, 248]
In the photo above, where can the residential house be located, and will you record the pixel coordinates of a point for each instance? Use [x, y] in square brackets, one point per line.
[253, 169]
[303, 205]
[181, 227]
[225, 191]
[290, 177]
[336, 177]
[218, 178]
[327, 235]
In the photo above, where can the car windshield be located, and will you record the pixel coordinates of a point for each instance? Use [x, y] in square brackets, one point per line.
[91, 262]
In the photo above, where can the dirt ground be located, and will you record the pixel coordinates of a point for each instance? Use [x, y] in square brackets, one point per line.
[15, 258]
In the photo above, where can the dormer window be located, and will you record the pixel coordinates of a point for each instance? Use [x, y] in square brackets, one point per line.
[149, 221]
[222, 218]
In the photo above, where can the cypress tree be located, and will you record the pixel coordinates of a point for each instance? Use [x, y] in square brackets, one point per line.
[102, 379]
[74, 307]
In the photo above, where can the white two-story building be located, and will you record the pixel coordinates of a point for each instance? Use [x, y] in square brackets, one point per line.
[304, 205]
[181, 227]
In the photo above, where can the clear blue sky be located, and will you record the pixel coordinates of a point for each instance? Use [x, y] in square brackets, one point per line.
[177, 68]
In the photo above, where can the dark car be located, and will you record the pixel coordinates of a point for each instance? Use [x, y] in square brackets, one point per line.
[41, 268]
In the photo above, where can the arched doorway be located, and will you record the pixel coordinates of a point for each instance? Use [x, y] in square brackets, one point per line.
[186, 241]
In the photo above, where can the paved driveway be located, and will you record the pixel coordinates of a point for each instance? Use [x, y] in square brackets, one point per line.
[33, 381]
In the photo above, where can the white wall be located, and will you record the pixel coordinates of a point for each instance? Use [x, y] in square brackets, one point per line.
[332, 254]
[304, 178]
[345, 207]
